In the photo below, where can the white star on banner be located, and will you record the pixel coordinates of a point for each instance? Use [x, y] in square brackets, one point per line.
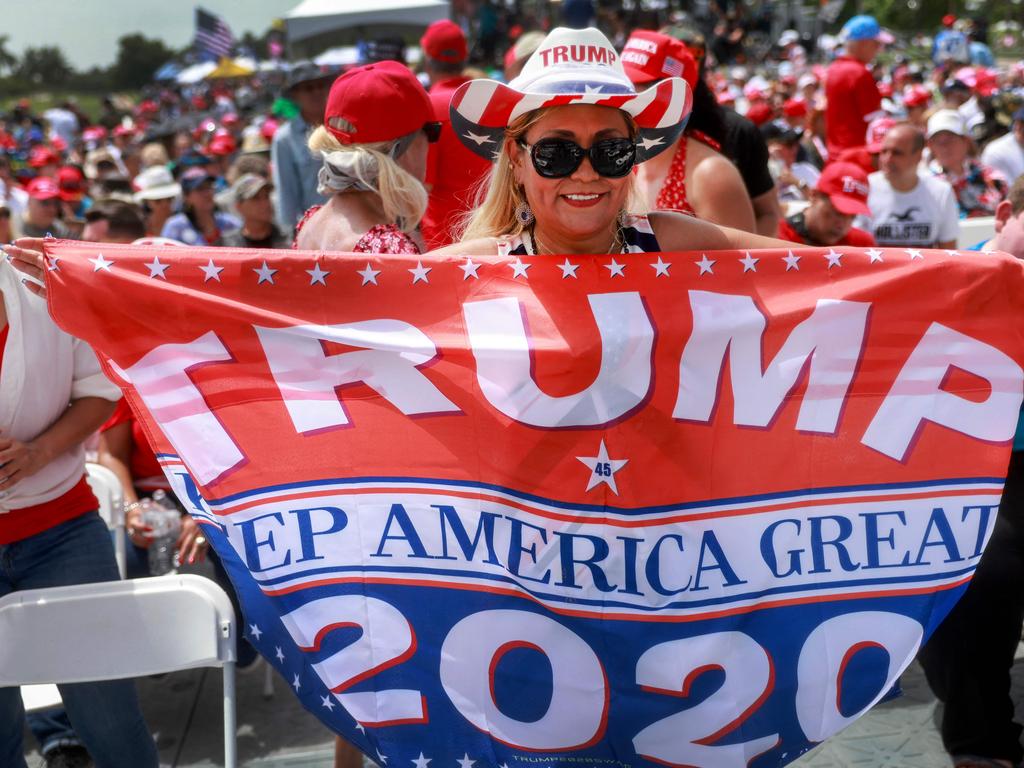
[503, 765]
[661, 267]
[749, 263]
[212, 271]
[279, 654]
[913, 253]
[568, 269]
[648, 143]
[792, 262]
[255, 632]
[295, 682]
[369, 275]
[52, 266]
[602, 468]
[952, 253]
[360, 728]
[317, 275]
[382, 758]
[419, 273]
[480, 140]
[156, 269]
[592, 91]
[615, 268]
[705, 264]
[100, 263]
[874, 254]
[465, 762]
[266, 274]
[421, 761]
[833, 258]
[326, 701]
[519, 269]
[469, 269]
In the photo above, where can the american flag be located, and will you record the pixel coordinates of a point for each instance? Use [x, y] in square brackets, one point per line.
[672, 67]
[213, 35]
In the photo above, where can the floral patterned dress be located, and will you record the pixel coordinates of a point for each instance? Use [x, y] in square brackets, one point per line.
[383, 238]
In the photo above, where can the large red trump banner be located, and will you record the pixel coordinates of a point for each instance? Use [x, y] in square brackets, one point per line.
[692, 509]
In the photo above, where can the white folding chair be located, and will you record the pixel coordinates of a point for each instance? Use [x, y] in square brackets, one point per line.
[107, 488]
[120, 629]
[110, 495]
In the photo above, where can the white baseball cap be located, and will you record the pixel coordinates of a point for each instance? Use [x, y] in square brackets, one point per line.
[947, 120]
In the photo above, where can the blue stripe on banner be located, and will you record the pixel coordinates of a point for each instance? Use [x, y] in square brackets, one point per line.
[606, 603]
[999, 481]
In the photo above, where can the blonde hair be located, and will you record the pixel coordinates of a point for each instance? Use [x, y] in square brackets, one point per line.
[402, 195]
[498, 194]
[152, 154]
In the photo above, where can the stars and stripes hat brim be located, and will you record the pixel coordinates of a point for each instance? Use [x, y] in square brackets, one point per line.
[572, 66]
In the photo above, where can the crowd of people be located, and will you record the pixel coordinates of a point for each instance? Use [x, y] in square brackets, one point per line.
[810, 147]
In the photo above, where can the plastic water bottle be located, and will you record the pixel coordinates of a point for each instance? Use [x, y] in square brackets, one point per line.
[160, 514]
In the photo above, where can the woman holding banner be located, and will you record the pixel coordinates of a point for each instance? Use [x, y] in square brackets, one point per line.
[565, 136]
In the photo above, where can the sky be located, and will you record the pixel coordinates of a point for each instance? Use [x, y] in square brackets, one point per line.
[87, 30]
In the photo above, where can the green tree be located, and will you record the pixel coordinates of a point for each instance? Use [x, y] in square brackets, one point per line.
[45, 64]
[8, 61]
[138, 59]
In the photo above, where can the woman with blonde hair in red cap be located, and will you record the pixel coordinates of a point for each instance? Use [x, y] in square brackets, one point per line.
[565, 136]
[373, 142]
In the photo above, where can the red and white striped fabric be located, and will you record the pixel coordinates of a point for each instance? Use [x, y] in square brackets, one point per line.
[572, 66]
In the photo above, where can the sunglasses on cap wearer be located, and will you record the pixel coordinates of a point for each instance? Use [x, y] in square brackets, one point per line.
[433, 131]
[558, 158]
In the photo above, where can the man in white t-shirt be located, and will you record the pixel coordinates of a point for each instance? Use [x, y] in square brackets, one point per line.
[910, 209]
[1006, 153]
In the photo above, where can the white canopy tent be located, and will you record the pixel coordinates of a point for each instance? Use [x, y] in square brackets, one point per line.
[311, 18]
[195, 73]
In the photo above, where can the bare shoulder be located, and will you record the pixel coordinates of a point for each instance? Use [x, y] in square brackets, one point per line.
[483, 246]
[680, 232]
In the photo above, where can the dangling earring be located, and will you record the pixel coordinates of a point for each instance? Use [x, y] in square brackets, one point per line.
[623, 218]
[524, 214]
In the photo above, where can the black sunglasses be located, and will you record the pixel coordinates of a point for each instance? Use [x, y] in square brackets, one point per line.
[433, 131]
[558, 158]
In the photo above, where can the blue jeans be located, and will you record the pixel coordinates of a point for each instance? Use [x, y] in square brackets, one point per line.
[105, 715]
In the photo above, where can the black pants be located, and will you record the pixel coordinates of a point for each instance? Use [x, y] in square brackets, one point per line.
[967, 661]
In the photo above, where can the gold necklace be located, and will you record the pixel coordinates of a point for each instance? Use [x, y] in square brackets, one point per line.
[615, 247]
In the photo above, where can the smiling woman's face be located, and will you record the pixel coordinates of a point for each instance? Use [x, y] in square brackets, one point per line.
[584, 204]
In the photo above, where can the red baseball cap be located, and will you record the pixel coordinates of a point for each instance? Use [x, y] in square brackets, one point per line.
[760, 112]
[916, 96]
[794, 108]
[378, 102]
[649, 56]
[42, 156]
[846, 185]
[43, 188]
[71, 183]
[94, 133]
[444, 41]
[877, 129]
[222, 145]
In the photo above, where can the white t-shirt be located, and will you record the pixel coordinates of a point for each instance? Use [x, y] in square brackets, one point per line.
[920, 218]
[1005, 154]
